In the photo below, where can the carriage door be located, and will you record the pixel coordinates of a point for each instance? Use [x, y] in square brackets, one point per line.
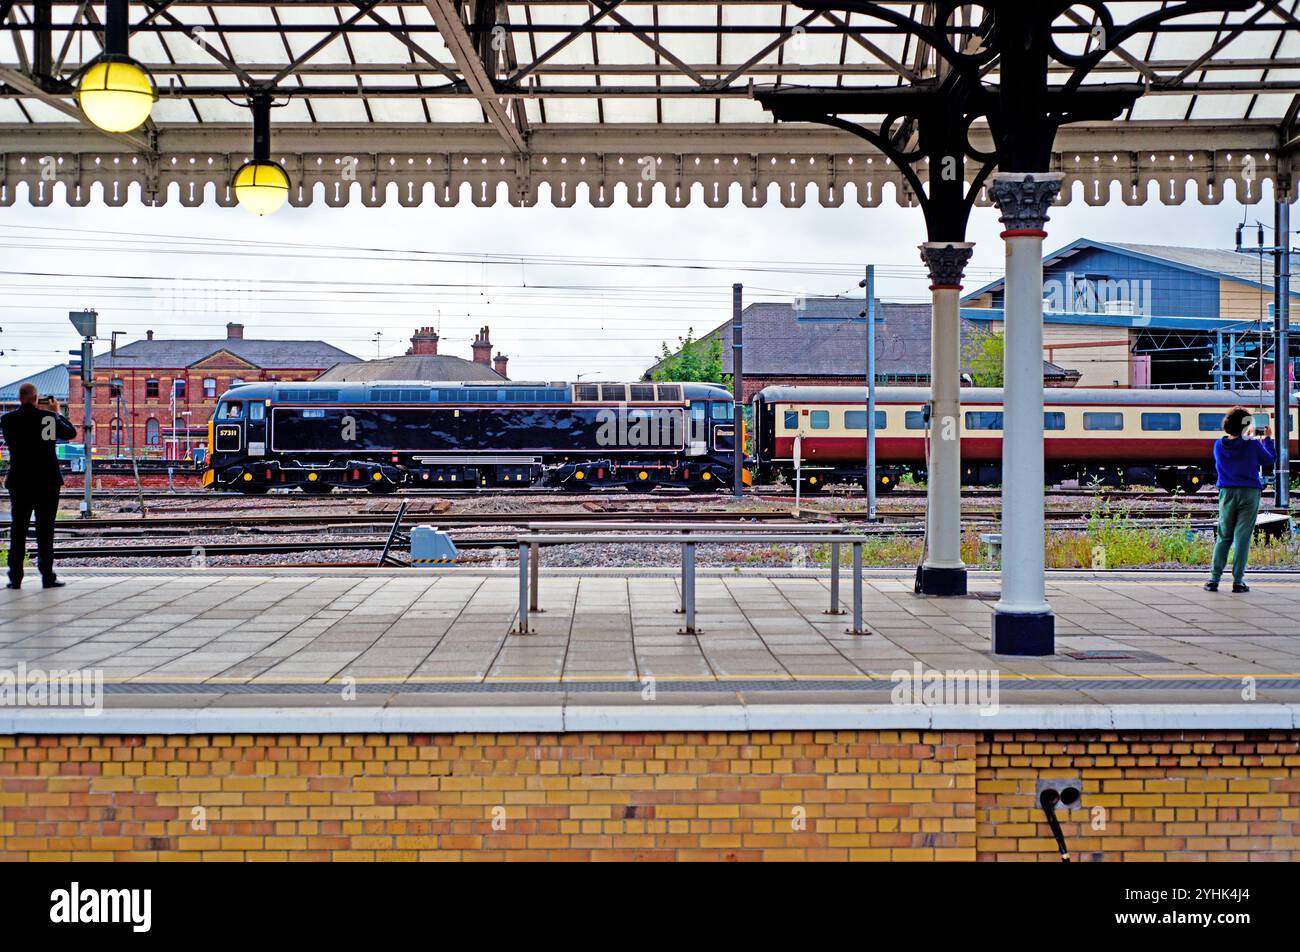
[229, 427]
[724, 426]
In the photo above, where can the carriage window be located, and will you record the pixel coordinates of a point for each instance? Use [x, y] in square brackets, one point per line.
[1103, 421]
[615, 392]
[792, 419]
[723, 410]
[1053, 420]
[643, 391]
[914, 419]
[1162, 421]
[857, 419]
[256, 410]
[585, 391]
[670, 391]
[984, 420]
[820, 419]
[1210, 422]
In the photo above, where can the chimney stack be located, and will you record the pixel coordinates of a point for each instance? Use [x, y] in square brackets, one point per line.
[424, 341]
[482, 348]
[234, 331]
[148, 335]
[499, 365]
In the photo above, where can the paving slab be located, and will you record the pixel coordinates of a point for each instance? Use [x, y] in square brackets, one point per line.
[244, 638]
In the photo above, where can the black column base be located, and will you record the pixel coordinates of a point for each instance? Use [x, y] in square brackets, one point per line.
[942, 582]
[1028, 635]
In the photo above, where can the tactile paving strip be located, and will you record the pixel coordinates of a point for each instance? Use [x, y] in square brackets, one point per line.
[670, 685]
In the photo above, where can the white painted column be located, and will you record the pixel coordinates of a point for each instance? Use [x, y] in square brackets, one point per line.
[1023, 623]
[943, 573]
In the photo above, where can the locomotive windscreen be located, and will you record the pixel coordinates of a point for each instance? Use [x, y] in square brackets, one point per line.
[442, 429]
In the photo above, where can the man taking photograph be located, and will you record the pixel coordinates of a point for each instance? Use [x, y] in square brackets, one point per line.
[30, 433]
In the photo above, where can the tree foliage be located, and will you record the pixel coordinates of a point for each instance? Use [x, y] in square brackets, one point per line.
[984, 354]
[698, 360]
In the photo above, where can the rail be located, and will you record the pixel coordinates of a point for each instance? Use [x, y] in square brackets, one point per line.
[531, 544]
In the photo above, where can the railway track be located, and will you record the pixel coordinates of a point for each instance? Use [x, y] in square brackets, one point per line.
[762, 492]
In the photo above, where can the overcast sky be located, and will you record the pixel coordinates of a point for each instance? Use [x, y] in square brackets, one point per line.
[555, 322]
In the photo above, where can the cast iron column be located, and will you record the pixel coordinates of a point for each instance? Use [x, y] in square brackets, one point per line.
[1023, 623]
[943, 572]
[1282, 348]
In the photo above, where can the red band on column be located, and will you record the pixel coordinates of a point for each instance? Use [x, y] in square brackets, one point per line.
[1024, 233]
[945, 287]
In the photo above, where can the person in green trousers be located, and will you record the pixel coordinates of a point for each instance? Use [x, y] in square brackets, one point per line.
[1238, 457]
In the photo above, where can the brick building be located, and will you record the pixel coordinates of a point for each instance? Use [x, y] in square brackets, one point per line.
[822, 342]
[134, 386]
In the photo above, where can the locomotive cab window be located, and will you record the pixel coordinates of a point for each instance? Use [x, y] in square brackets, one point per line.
[232, 410]
[1103, 421]
[820, 419]
[1165, 422]
[857, 419]
[256, 411]
[723, 411]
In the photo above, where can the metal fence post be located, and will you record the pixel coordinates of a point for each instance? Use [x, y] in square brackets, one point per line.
[835, 581]
[681, 609]
[524, 548]
[857, 589]
[534, 565]
[688, 587]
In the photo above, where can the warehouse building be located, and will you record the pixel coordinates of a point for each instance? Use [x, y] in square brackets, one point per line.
[1142, 315]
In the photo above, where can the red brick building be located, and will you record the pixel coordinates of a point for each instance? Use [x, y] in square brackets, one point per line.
[134, 407]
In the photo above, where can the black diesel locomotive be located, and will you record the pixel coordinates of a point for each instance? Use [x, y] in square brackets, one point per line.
[392, 434]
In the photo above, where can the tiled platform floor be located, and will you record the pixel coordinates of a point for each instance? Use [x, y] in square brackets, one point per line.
[248, 635]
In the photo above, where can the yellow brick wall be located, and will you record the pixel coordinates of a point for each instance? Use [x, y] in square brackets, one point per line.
[1227, 795]
[780, 795]
[797, 795]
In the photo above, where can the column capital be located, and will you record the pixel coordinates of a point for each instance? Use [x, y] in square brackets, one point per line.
[1024, 198]
[946, 261]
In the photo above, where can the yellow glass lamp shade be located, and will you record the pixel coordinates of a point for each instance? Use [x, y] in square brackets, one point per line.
[261, 187]
[116, 94]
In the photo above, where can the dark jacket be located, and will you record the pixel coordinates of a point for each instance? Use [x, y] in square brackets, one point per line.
[1238, 461]
[33, 460]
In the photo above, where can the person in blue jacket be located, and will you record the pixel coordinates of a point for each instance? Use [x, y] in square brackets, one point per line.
[1238, 457]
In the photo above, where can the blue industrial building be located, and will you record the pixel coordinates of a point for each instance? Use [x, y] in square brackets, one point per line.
[1137, 315]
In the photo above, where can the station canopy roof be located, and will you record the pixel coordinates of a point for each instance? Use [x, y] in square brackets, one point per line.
[436, 100]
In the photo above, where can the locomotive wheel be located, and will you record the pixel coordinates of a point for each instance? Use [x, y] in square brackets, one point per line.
[253, 489]
[317, 489]
[381, 489]
[813, 484]
[574, 486]
[639, 487]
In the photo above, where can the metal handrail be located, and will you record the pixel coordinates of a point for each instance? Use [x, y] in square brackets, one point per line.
[530, 546]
